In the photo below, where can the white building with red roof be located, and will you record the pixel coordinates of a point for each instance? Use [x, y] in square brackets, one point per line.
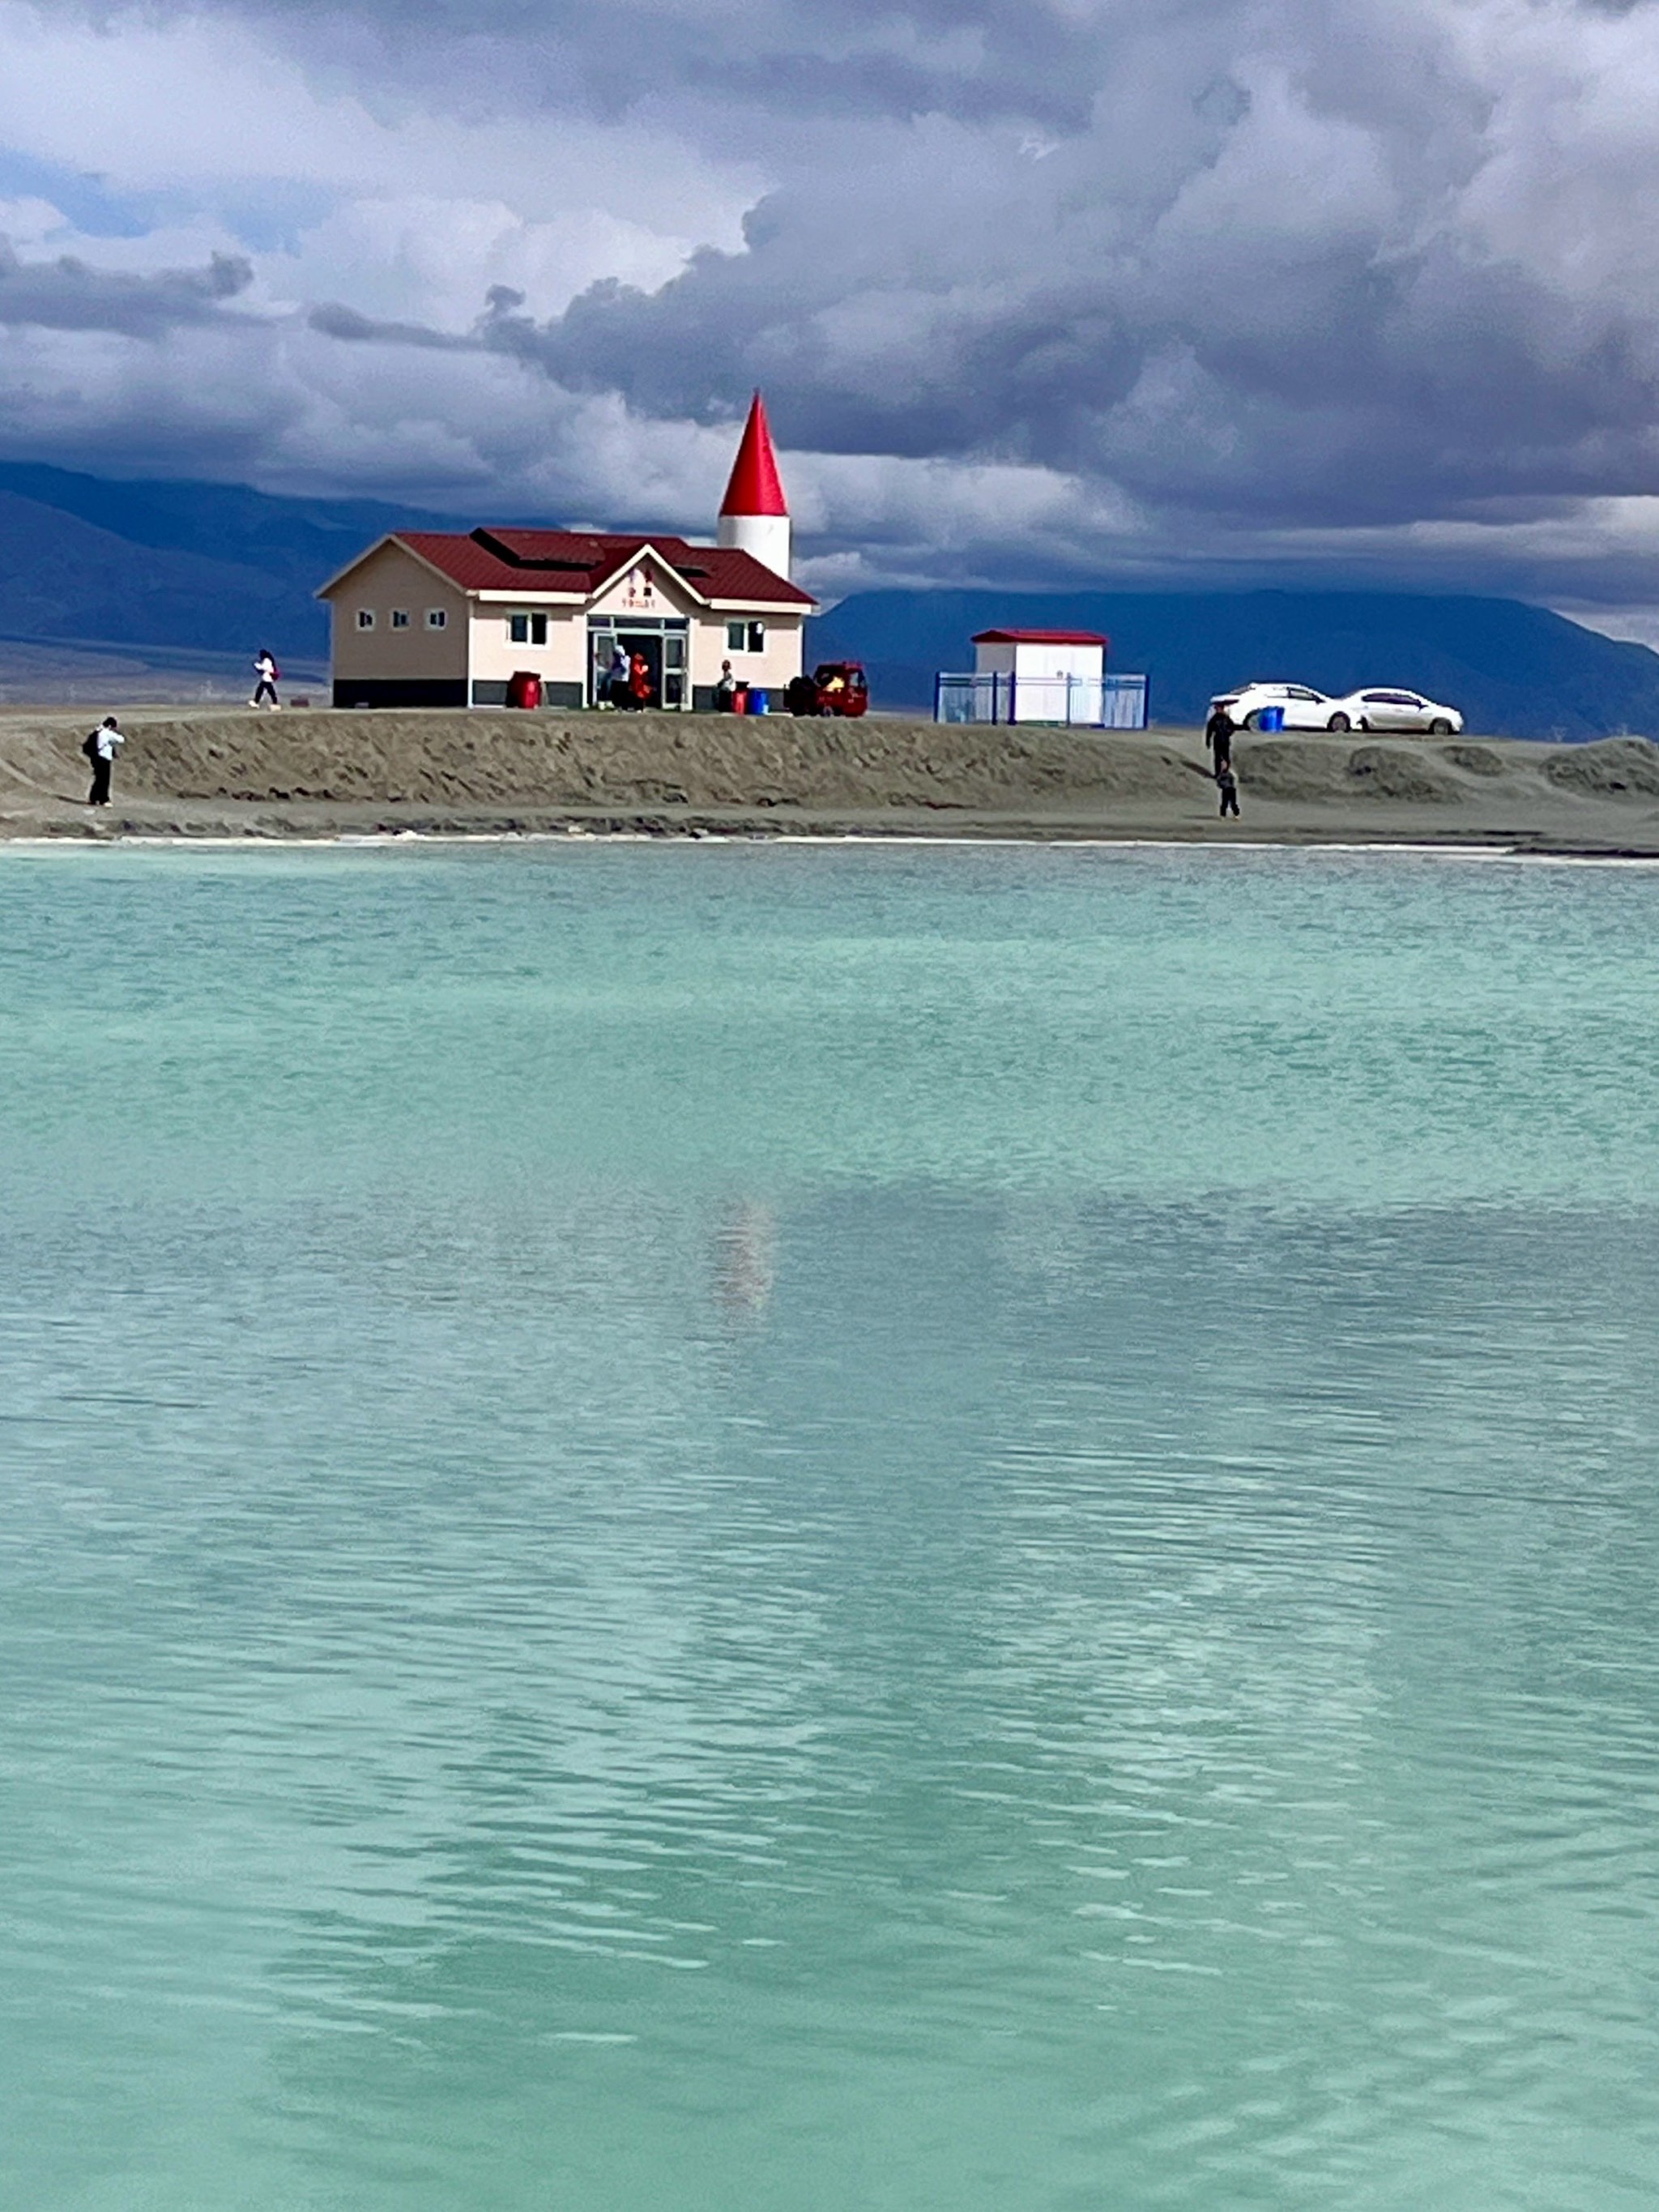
[440, 618]
[1044, 675]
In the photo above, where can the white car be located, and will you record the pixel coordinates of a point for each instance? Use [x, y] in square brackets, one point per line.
[1393, 710]
[1300, 707]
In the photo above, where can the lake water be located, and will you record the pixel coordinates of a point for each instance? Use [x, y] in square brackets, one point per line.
[820, 1529]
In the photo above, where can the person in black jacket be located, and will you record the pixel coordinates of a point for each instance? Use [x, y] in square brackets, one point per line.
[101, 749]
[1219, 735]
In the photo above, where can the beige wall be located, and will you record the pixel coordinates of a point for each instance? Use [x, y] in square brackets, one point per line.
[392, 578]
[494, 656]
[645, 589]
[775, 667]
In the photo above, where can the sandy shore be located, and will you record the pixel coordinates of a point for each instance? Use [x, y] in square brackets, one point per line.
[217, 773]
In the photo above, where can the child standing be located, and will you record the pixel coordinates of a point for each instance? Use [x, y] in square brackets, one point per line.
[1228, 783]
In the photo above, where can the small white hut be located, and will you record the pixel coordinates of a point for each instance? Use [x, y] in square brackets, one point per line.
[1049, 675]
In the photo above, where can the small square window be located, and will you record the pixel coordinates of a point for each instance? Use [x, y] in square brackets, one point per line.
[538, 630]
[518, 628]
[365, 618]
[400, 618]
[734, 637]
[436, 617]
[757, 637]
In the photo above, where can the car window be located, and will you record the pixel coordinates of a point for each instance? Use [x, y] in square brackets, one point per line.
[1301, 691]
[1377, 698]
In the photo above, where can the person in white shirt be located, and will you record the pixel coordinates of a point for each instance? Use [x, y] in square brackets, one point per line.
[266, 669]
[101, 749]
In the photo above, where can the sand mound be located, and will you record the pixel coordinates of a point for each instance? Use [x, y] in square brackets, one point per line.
[1607, 768]
[203, 772]
[1320, 770]
[623, 760]
[1473, 760]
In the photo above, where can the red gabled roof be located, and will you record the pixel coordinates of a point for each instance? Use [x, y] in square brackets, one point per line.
[579, 562]
[755, 487]
[1040, 637]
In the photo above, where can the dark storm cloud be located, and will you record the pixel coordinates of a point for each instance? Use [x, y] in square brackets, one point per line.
[334, 321]
[66, 295]
[778, 61]
[1264, 275]
[1257, 259]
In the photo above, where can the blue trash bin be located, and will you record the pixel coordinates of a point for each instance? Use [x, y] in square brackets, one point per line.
[1271, 718]
[758, 701]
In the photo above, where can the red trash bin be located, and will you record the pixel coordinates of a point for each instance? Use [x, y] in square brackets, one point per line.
[524, 688]
[740, 700]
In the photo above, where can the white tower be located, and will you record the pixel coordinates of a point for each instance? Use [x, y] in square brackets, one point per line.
[754, 515]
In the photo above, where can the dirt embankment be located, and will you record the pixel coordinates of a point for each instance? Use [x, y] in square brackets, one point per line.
[321, 774]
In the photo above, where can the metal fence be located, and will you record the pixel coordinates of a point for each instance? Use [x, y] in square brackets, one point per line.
[1090, 703]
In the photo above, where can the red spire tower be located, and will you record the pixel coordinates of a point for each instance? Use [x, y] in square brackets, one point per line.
[754, 515]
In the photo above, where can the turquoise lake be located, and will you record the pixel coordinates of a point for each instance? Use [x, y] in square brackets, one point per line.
[793, 1528]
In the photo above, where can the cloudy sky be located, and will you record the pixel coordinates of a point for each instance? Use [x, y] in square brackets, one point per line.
[1328, 291]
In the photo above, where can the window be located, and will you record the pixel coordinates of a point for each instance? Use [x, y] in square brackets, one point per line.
[757, 637]
[436, 618]
[745, 637]
[734, 633]
[400, 618]
[527, 629]
[365, 618]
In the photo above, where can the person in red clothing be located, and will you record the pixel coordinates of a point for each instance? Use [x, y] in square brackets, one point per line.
[639, 682]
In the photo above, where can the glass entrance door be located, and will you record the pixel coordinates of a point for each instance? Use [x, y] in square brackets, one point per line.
[663, 645]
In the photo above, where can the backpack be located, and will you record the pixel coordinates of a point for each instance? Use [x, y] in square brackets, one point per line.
[89, 745]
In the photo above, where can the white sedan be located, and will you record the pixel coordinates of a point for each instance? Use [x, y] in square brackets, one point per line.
[1392, 710]
[1300, 707]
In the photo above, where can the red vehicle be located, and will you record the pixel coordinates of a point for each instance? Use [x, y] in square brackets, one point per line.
[834, 687]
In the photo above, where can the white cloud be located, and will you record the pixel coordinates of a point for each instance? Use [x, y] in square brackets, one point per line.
[1364, 288]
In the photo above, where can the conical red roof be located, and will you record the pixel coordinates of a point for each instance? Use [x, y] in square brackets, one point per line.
[755, 487]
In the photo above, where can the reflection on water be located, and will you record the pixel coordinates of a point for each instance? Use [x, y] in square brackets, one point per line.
[746, 1264]
[526, 1686]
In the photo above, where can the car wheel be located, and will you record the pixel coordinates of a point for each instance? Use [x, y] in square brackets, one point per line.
[1440, 728]
[1339, 724]
[1253, 721]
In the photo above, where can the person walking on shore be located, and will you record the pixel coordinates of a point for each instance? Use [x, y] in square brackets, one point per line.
[1219, 735]
[1228, 784]
[101, 749]
[266, 671]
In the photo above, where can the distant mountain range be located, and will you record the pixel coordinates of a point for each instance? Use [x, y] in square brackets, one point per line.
[212, 568]
[1513, 670]
[191, 578]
